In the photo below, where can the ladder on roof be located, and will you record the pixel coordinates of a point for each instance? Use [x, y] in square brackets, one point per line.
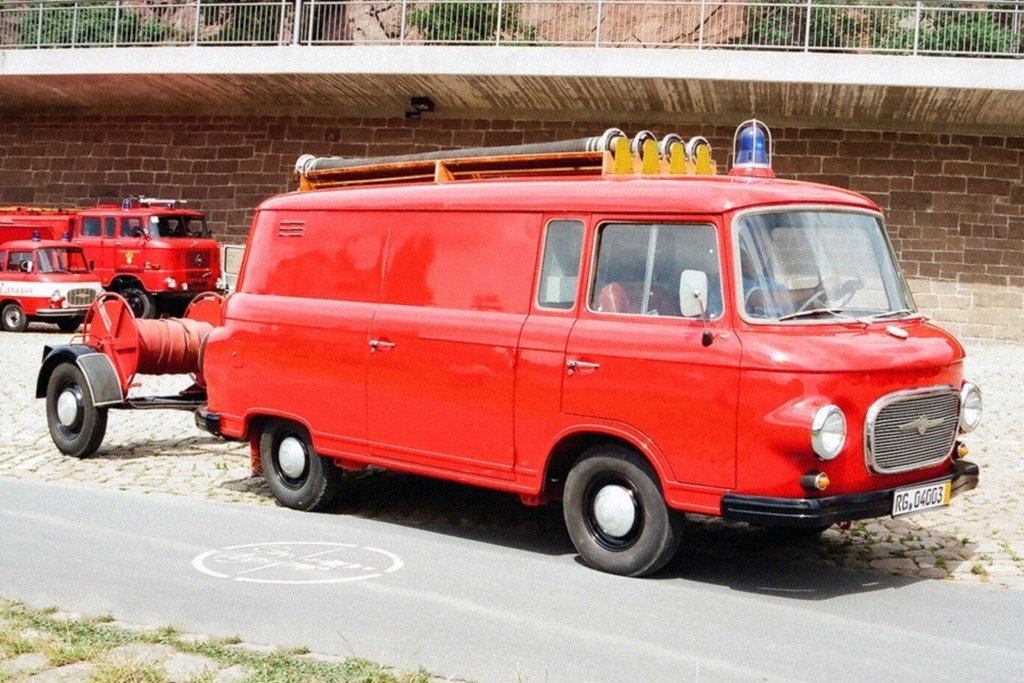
[609, 154]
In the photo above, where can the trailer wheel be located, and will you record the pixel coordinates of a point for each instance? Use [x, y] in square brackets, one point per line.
[297, 476]
[76, 426]
[616, 514]
[14, 318]
[141, 302]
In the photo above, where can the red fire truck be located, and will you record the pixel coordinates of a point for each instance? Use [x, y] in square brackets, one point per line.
[153, 252]
[605, 321]
[43, 280]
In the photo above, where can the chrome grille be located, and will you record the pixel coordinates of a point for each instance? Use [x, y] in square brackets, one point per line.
[910, 430]
[80, 296]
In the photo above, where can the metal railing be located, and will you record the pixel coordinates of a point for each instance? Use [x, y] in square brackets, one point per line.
[955, 27]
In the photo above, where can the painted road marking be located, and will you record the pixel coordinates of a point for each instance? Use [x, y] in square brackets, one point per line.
[297, 562]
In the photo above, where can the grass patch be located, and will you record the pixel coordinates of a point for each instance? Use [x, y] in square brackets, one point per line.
[63, 641]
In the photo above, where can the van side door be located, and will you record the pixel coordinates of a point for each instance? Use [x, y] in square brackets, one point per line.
[93, 234]
[442, 345]
[541, 363]
[636, 361]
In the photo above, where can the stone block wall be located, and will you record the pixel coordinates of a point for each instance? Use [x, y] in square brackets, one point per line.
[953, 202]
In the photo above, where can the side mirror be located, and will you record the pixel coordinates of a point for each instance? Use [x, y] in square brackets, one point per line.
[693, 293]
[26, 266]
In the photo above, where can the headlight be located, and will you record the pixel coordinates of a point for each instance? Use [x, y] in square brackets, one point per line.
[171, 283]
[55, 297]
[828, 432]
[970, 407]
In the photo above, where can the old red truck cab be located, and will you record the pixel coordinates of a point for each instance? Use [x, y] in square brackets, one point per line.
[44, 280]
[155, 253]
[603, 321]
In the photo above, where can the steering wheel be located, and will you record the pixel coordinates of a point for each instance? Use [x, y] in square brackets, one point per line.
[847, 289]
[817, 298]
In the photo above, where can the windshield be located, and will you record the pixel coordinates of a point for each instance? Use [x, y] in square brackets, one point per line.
[176, 225]
[56, 260]
[818, 265]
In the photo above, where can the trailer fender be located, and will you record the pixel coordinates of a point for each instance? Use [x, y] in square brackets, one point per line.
[103, 382]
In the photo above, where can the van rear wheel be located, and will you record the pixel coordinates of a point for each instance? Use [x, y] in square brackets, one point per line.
[297, 476]
[616, 514]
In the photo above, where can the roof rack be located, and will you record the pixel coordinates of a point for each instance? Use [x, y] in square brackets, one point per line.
[611, 154]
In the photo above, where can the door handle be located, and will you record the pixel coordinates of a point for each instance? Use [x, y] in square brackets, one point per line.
[575, 365]
[380, 344]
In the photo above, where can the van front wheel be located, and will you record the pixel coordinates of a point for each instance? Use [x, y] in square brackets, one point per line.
[297, 476]
[14, 318]
[616, 514]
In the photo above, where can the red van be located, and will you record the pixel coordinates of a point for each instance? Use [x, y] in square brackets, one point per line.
[44, 280]
[638, 346]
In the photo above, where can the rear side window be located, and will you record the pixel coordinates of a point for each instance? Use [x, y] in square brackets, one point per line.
[560, 265]
[639, 267]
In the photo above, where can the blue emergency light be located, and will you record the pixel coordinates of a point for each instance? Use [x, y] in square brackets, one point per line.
[35, 236]
[752, 149]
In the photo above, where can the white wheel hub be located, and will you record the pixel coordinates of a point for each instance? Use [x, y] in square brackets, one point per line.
[291, 457]
[67, 407]
[615, 510]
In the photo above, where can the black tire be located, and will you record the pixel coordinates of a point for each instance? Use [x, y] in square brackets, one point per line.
[297, 476]
[13, 318]
[141, 302]
[76, 426]
[634, 533]
[68, 324]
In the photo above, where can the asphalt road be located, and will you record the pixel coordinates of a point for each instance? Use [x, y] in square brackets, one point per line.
[469, 606]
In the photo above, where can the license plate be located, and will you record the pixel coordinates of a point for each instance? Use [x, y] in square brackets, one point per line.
[919, 498]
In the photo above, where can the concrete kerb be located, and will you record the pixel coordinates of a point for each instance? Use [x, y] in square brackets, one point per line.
[979, 539]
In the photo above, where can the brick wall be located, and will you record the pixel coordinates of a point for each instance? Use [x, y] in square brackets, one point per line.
[953, 202]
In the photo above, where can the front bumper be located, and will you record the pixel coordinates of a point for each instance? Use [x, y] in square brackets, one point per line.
[818, 512]
[70, 312]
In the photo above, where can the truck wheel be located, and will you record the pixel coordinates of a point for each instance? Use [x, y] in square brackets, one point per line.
[140, 302]
[69, 324]
[76, 426]
[297, 476]
[14, 318]
[616, 514]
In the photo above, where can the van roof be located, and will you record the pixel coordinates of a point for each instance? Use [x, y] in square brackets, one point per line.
[632, 194]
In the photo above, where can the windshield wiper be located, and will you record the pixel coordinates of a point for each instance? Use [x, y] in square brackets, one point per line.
[812, 312]
[893, 314]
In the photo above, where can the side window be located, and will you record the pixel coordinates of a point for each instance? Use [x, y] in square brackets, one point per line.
[131, 227]
[90, 227]
[560, 266]
[110, 226]
[640, 268]
[19, 261]
[3, 261]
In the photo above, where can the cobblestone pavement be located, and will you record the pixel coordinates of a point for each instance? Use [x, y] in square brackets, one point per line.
[978, 539]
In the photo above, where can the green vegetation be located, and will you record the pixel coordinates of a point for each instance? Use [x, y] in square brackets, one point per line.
[946, 28]
[85, 23]
[63, 642]
[470, 22]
